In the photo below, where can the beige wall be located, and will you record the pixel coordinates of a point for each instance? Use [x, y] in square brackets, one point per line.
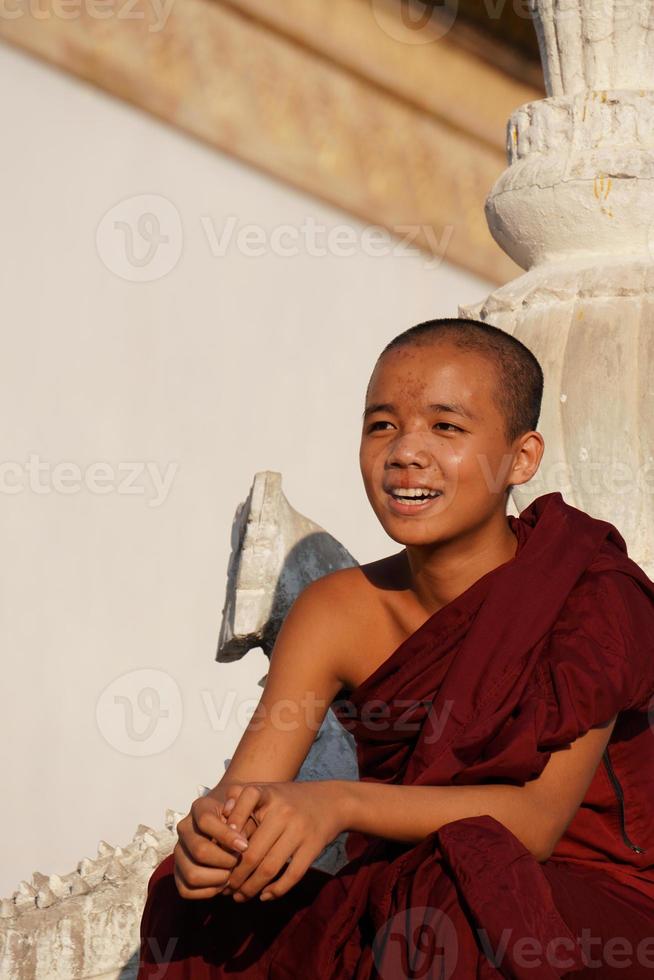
[221, 366]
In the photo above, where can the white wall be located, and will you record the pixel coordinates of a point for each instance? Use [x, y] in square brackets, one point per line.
[223, 366]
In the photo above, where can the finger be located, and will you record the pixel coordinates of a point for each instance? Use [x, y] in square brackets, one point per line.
[248, 801]
[208, 824]
[295, 870]
[263, 839]
[269, 867]
[193, 893]
[232, 794]
[202, 851]
[195, 876]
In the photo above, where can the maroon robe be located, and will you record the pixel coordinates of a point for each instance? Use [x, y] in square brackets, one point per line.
[531, 656]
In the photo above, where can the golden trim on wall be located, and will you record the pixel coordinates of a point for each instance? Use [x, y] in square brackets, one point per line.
[326, 95]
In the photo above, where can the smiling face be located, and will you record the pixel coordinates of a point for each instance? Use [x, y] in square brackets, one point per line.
[432, 420]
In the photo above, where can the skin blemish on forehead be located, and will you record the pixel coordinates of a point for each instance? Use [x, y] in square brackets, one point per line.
[407, 387]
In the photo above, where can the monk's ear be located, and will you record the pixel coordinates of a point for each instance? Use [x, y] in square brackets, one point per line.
[528, 451]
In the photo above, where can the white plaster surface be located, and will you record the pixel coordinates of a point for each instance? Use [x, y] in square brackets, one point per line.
[225, 366]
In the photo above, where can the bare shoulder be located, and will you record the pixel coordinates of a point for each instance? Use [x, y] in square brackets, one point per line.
[360, 589]
[339, 596]
[365, 612]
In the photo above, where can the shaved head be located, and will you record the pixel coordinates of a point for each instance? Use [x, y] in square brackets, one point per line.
[519, 376]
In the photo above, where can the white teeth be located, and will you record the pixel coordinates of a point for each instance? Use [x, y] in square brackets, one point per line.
[414, 492]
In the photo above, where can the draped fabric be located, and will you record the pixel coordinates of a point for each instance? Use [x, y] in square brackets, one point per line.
[535, 653]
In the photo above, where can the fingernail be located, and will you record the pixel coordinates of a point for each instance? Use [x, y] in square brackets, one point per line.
[227, 891]
[233, 826]
[227, 808]
[240, 843]
[265, 896]
[239, 898]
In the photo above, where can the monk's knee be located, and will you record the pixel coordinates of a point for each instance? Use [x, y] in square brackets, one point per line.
[169, 928]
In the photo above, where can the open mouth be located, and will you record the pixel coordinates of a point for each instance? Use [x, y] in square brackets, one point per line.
[412, 504]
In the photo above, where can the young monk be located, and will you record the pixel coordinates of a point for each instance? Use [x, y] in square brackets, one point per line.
[496, 673]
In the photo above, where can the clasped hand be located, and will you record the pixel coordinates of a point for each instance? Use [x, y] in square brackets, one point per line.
[294, 822]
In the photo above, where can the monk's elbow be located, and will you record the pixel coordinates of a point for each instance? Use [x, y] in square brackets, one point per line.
[542, 851]
[542, 831]
[540, 838]
[543, 845]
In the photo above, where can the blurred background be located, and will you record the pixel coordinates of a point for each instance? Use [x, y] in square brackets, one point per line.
[215, 215]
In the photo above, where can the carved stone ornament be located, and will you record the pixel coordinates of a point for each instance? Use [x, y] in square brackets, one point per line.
[575, 208]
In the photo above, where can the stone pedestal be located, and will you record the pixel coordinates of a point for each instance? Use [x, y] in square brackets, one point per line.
[575, 208]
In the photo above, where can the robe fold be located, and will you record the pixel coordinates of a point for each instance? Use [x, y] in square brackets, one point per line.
[531, 656]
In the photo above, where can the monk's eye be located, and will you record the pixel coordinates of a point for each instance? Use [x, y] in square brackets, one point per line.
[450, 426]
[375, 424]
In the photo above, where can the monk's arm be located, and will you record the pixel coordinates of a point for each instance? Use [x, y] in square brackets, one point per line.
[537, 813]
